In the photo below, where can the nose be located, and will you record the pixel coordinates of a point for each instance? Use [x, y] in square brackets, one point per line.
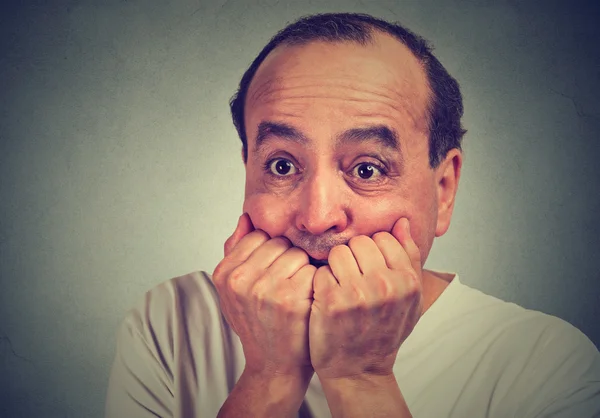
[322, 207]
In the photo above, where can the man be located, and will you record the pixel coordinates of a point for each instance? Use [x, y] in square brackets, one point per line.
[321, 306]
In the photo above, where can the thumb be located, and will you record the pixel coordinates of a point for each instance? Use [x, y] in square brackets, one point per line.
[243, 228]
[401, 231]
[398, 230]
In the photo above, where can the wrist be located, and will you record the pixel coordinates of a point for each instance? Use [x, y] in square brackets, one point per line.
[300, 375]
[359, 382]
[261, 393]
[362, 395]
[289, 387]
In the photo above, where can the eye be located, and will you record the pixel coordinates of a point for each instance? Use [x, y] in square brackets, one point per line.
[368, 171]
[280, 167]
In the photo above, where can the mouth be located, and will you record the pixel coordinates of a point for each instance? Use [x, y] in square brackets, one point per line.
[317, 263]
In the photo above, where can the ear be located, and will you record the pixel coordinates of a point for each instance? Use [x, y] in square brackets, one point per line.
[447, 175]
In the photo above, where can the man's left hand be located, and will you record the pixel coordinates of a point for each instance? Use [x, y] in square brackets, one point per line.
[366, 303]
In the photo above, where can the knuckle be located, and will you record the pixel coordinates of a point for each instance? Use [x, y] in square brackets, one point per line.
[260, 289]
[412, 285]
[258, 236]
[385, 286]
[281, 242]
[381, 237]
[237, 275]
[219, 272]
[289, 298]
[360, 297]
[246, 245]
[411, 276]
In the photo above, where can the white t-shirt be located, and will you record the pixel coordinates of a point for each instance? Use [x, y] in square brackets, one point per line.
[470, 355]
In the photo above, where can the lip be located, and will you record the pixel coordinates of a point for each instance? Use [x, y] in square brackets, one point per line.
[318, 262]
[317, 255]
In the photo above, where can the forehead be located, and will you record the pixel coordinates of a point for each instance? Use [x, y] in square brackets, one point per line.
[380, 79]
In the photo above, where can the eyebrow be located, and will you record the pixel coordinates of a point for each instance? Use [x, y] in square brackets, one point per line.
[382, 134]
[268, 130]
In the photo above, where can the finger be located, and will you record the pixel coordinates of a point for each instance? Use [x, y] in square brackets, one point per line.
[303, 280]
[292, 260]
[238, 255]
[394, 254]
[243, 228]
[246, 247]
[343, 265]
[367, 254]
[401, 232]
[265, 255]
[323, 282]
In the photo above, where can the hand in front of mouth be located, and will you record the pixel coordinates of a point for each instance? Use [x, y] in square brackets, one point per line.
[366, 302]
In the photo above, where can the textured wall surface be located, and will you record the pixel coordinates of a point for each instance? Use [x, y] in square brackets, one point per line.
[120, 168]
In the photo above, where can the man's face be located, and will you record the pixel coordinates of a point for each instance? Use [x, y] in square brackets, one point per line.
[338, 145]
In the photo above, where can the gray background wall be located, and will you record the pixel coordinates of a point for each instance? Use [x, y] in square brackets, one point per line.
[119, 165]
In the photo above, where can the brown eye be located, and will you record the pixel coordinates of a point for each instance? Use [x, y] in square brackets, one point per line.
[281, 167]
[367, 171]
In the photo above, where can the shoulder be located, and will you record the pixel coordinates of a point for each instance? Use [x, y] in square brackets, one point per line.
[530, 326]
[174, 317]
[168, 345]
[193, 291]
[513, 326]
[560, 373]
[546, 362]
[173, 305]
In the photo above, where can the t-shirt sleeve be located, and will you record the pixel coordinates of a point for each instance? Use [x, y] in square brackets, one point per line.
[140, 383]
[563, 378]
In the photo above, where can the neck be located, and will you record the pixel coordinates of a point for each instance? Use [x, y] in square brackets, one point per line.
[434, 285]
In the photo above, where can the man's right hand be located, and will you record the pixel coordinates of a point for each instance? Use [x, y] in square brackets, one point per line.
[265, 290]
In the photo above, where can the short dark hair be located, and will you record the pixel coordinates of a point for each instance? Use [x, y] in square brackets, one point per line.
[445, 107]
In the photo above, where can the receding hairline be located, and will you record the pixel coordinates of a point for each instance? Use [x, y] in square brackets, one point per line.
[373, 37]
[372, 33]
[444, 105]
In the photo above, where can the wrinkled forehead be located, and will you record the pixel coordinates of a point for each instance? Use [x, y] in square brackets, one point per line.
[383, 73]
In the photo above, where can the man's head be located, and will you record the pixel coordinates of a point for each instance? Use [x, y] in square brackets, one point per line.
[348, 123]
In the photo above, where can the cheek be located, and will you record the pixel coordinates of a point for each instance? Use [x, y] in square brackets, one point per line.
[422, 231]
[269, 213]
[423, 220]
[374, 215]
